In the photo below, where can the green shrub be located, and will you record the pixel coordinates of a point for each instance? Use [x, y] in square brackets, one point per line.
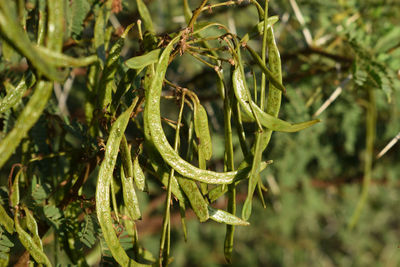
[110, 164]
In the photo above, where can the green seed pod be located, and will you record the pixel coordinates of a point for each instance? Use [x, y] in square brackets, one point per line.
[138, 175]
[222, 216]
[6, 221]
[152, 121]
[143, 61]
[265, 119]
[26, 240]
[103, 190]
[130, 198]
[33, 228]
[202, 131]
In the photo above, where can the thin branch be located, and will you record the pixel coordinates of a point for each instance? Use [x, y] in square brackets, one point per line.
[300, 18]
[389, 146]
[332, 97]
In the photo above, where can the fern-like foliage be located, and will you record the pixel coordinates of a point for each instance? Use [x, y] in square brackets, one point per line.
[88, 231]
[38, 191]
[5, 245]
[54, 216]
[76, 16]
[369, 69]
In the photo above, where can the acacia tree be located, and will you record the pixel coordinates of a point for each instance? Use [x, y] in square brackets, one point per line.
[78, 173]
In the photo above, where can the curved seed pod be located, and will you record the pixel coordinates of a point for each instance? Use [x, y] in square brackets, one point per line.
[33, 228]
[265, 119]
[15, 94]
[222, 216]
[26, 119]
[6, 221]
[130, 198]
[162, 172]
[153, 121]
[103, 190]
[62, 60]
[30, 245]
[142, 61]
[14, 197]
[202, 131]
[15, 34]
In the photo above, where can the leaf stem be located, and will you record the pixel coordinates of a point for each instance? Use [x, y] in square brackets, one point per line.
[370, 131]
[166, 222]
[196, 13]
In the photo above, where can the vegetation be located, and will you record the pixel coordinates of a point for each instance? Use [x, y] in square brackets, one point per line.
[126, 123]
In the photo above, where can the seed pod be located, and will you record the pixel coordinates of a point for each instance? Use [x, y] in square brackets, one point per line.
[143, 61]
[202, 131]
[196, 199]
[130, 198]
[222, 216]
[26, 240]
[138, 175]
[6, 221]
[265, 119]
[33, 228]
[103, 190]
[152, 121]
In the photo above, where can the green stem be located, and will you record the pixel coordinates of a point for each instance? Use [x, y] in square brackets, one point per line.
[229, 165]
[263, 56]
[210, 7]
[166, 222]
[370, 132]
[197, 13]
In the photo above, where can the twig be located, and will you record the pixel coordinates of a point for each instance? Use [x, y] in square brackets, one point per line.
[333, 97]
[196, 13]
[389, 146]
[210, 7]
[300, 18]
